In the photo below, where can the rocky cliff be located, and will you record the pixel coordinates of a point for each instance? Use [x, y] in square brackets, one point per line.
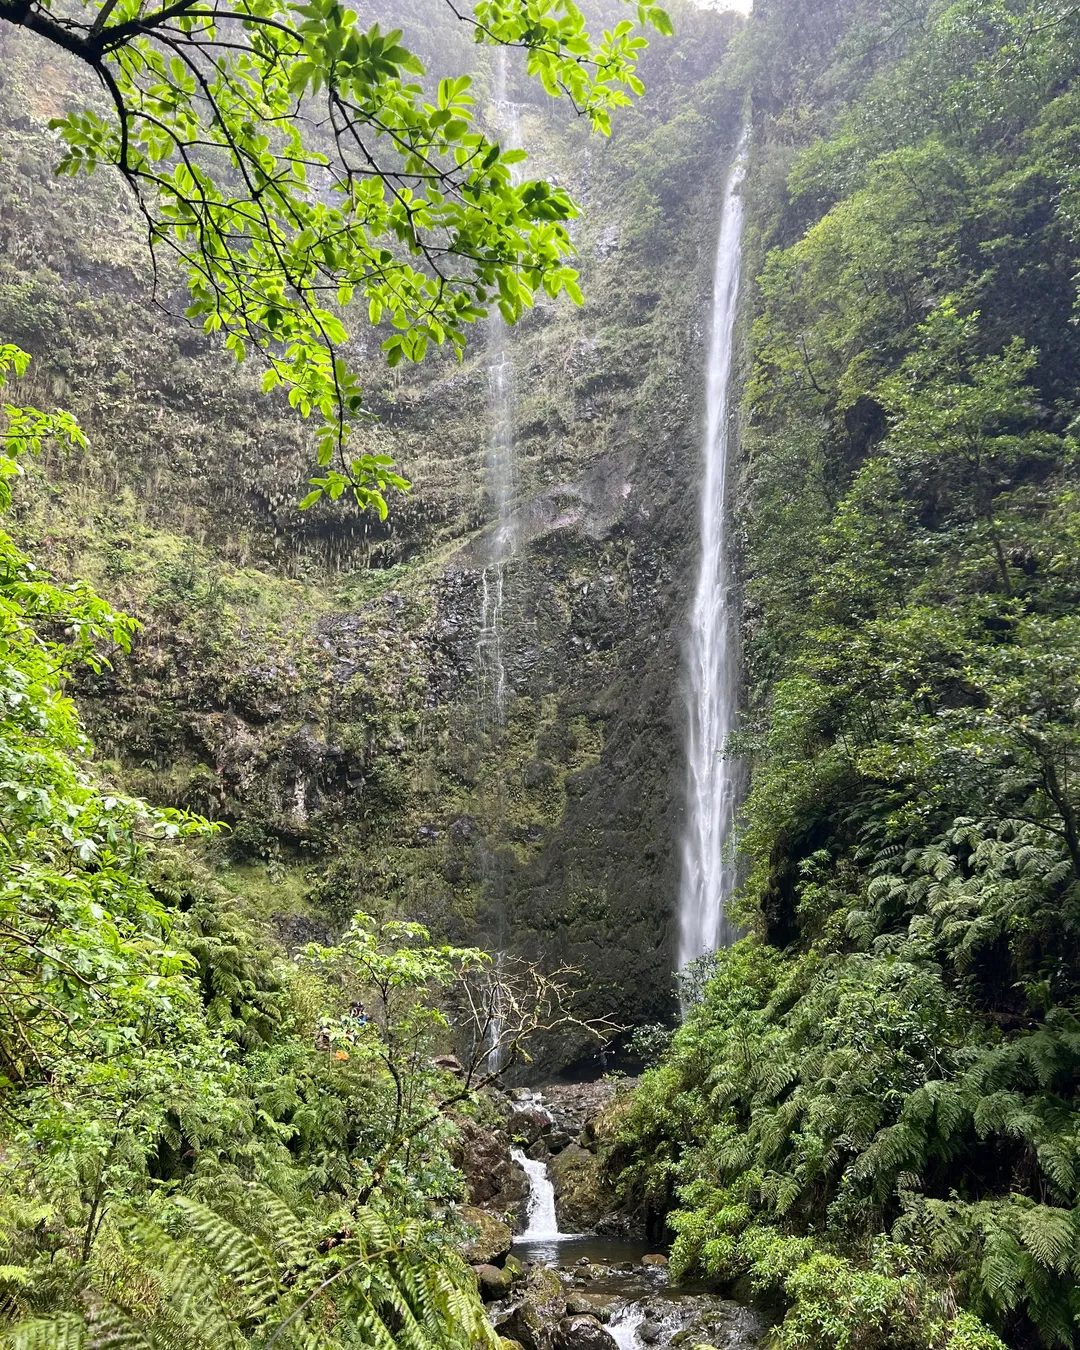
[315, 679]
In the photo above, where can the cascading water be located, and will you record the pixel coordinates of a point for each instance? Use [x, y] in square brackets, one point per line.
[541, 1224]
[502, 546]
[501, 468]
[623, 1327]
[713, 776]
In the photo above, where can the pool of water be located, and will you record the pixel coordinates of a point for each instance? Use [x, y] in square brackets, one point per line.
[568, 1249]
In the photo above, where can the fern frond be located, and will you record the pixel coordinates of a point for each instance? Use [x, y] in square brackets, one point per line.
[67, 1331]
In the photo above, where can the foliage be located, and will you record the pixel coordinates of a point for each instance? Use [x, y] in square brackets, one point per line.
[291, 162]
[261, 1275]
[158, 1054]
[872, 1112]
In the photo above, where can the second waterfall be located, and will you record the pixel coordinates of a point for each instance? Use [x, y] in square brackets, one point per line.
[713, 775]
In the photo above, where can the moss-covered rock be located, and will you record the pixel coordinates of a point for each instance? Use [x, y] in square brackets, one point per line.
[583, 1197]
[492, 1238]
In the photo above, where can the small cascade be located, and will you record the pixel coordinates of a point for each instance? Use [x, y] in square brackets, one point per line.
[623, 1327]
[714, 778]
[541, 1223]
[493, 1048]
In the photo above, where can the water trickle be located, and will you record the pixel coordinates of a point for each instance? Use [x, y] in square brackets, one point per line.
[713, 776]
[501, 467]
[541, 1223]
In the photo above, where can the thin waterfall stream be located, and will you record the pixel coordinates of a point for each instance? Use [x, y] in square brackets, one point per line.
[502, 546]
[501, 467]
[713, 775]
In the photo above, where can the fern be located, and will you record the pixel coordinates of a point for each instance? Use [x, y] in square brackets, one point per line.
[64, 1332]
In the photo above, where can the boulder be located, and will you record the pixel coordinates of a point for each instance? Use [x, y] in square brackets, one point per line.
[493, 1237]
[654, 1259]
[590, 1305]
[583, 1332]
[494, 1283]
[528, 1123]
[449, 1064]
[523, 1325]
[544, 1290]
[534, 1319]
[574, 1105]
[583, 1196]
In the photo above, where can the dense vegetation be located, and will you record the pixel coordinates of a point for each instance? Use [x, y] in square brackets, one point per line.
[204, 1143]
[204, 1140]
[872, 1112]
[868, 1117]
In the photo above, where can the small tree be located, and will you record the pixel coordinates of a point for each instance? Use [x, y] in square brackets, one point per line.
[293, 163]
[401, 1000]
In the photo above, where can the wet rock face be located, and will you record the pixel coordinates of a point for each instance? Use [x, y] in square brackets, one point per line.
[315, 680]
[494, 1182]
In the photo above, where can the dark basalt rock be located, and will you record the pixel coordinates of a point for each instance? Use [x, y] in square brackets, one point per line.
[583, 1332]
[494, 1282]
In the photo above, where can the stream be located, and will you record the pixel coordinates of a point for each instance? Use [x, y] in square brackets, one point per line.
[583, 1291]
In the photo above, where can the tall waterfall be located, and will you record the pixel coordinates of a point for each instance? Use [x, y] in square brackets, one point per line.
[501, 468]
[713, 777]
[502, 546]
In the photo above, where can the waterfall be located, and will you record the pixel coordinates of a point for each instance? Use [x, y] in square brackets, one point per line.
[713, 777]
[501, 467]
[502, 475]
[541, 1223]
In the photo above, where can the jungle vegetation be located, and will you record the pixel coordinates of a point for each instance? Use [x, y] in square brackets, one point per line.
[870, 1115]
[205, 1141]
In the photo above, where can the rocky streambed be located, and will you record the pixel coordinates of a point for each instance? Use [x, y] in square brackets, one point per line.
[559, 1267]
[599, 1301]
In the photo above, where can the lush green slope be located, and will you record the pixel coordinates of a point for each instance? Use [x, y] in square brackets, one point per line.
[198, 1136]
[874, 1110]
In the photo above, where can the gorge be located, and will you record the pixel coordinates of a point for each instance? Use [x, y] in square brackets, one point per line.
[618, 887]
